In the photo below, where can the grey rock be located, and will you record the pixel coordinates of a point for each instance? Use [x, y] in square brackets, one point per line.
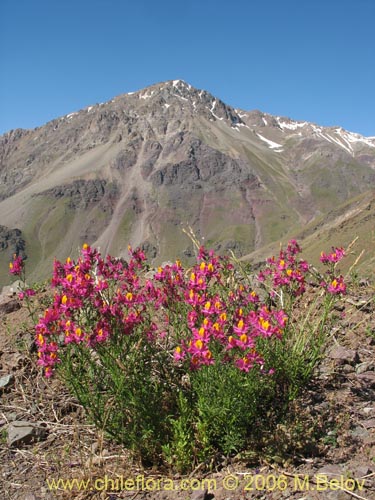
[368, 410]
[10, 290]
[6, 381]
[11, 417]
[361, 471]
[22, 433]
[369, 424]
[330, 469]
[347, 368]
[200, 495]
[343, 355]
[9, 306]
[364, 367]
[338, 495]
[367, 378]
[360, 432]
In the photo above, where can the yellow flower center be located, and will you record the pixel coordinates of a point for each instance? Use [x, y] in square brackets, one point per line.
[264, 324]
[198, 344]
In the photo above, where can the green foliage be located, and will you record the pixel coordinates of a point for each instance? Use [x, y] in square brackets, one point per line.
[188, 364]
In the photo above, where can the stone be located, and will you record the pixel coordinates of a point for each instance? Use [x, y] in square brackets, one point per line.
[330, 469]
[9, 306]
[360, 432]
[367, 410]
[201, 495]
[338, 495]
[6, 381]
[343, 355]
[361, 471]
[369, 424]
[367, 378]
[363, 367]
[10, 290]
[347, 368]
[22, 433]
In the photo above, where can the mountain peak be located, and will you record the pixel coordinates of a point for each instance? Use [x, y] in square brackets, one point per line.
[131, 170]
[180, 96]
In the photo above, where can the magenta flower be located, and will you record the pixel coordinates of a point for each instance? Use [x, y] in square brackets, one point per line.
[29, 292]
[335, 256]
[337, 286]
[16, 266]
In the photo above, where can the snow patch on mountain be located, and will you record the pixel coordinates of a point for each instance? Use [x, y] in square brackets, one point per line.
[271, 144]
[352, 137]
[290, 125]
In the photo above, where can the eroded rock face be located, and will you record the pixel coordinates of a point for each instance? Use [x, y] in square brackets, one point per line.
[83, 193]
[203, 167]
[12, 242]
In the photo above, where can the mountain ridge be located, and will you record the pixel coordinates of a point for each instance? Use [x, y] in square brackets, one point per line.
[134, 169]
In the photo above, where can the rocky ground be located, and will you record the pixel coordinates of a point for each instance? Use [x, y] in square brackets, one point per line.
[325, 451]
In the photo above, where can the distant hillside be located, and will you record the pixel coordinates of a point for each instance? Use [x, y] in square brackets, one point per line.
[135, 169]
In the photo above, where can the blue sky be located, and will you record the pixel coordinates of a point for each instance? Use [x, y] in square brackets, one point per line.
[307, 59]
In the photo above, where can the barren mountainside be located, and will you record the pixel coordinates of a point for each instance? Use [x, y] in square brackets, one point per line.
[136, 169]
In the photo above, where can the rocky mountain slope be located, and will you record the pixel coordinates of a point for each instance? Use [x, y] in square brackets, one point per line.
[137, 168]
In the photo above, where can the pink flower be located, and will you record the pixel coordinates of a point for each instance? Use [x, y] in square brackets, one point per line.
[335, 256]
[337, 286]
[179, 354]
[29, 292]
[241, 327]
[16, 266]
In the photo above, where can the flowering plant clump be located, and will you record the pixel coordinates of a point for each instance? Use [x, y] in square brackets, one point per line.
[180, 363]
[335, 284]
